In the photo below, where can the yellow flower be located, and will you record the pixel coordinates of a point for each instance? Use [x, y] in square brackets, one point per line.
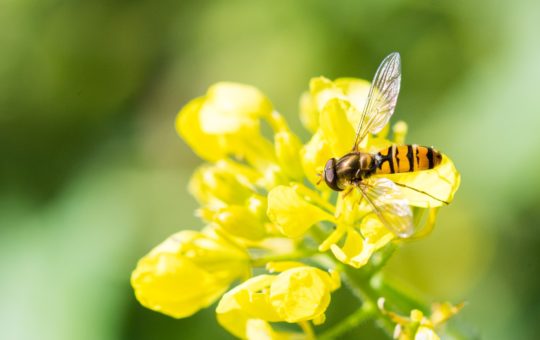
[419, 327]
[332, 111]
[188, 271]
[220, 122]
[224, 127]
[259, 196]
[297, 294]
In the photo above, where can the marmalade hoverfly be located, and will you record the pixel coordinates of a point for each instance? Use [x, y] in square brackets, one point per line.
[355, 169]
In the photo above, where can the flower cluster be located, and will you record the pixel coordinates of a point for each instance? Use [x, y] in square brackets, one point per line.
[264, 210]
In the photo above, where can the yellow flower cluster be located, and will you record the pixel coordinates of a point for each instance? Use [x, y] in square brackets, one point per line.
[260, 201]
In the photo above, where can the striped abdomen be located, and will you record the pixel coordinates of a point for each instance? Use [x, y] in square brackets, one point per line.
[406, 158]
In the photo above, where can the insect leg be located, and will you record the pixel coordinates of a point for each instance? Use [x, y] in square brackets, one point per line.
[347, 191]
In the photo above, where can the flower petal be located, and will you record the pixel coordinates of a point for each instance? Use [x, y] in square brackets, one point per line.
[239, 221]
[235, 310]
[288, 147]
[336, 128]
[425, 333]
[314, 155]
[441, 182]
[207, 146]
[358, 248]
[441, 312]
[261, 330]
[220, 184]
[291, 214]
[226, 121]
[231, 107]
[356, 92]
[173, 285]
[301, 293]
[309, 115]
[281, 266]
[170, 279]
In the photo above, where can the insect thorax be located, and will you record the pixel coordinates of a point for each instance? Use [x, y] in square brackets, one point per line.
[354, 166]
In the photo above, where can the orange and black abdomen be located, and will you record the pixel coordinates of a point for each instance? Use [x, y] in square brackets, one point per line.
[406, 158]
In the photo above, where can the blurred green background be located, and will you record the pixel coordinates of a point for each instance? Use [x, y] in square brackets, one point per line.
[93, 174]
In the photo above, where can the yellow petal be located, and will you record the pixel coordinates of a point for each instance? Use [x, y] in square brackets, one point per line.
[261, 330]
[314, 155]
[441, 312]
[226, 121]
[375, 144]
[292, 215]
[231, 107]
[441, 182]
[349, 91]
[425, 333]
[336, 128]
[171, 280]
[174, 285]
[234, 311]
[287, 146]
[231, 317]
[335, 279]
[322, 90]
[319, 320]
[300, 294]
[356, 92]
[240, 221]
[358, 248]
[352, 90]
[281, 266]
[400, 132]
[309, 115]
[220, 184]
[207, 146]
[417, 316]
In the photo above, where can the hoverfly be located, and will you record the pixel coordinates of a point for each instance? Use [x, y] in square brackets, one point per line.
[356, 169]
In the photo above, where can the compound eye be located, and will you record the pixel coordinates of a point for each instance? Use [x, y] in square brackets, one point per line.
[329, 172]
[330, 176]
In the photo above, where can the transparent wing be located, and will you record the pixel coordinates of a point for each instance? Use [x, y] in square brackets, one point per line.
[382, 98]
[389, 205]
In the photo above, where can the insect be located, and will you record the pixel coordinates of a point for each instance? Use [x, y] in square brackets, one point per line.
[357, 169]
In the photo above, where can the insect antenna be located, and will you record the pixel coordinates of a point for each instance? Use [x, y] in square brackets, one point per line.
[347, 192]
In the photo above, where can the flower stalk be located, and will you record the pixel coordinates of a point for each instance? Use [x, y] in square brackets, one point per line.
[366, 312]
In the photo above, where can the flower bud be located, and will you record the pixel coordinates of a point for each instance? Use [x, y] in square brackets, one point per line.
[219, 185]
[291, 214]
[187, 272]
[295, 295]
[220, 122]
[240, 221]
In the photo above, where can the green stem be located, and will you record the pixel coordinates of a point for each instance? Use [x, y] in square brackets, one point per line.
[359, 283]
[366, 312]
[401, 300]
[307, 329]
